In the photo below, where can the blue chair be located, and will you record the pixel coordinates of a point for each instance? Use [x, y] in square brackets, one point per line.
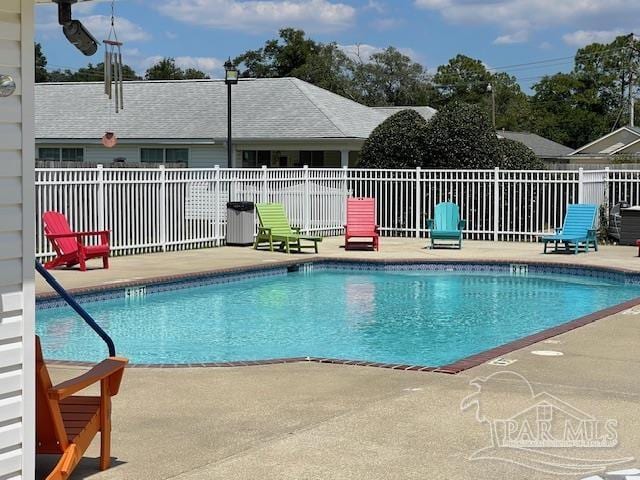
[578, 229]
[447, 224]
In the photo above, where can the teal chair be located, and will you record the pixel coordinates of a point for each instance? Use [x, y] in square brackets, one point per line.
[447, 224]
[578, 228]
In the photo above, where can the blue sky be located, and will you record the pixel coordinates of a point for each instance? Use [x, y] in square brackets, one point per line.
[203, 33]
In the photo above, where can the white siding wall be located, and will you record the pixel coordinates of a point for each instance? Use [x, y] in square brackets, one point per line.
[208, 156]
[200, 156]
[17, 393]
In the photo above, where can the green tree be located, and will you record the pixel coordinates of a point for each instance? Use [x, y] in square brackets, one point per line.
[560, 113]
[390, 78]
[516, 155]
[465, 79]
[577, 107]
[292, 54]
[194, 74]
[460, 135]
[166, 69]
[41, 65]
[398, 142]
[462, 79]
[90, 73]
[278, 57]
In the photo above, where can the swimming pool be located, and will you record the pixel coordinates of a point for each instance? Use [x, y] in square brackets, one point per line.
[404, 316]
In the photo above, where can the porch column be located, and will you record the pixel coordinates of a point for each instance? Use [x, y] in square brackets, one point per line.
[344, 158]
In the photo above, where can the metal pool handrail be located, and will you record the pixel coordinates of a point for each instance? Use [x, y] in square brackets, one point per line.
[76, 306]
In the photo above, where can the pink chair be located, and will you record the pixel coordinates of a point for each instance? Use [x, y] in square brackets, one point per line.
[361, 224]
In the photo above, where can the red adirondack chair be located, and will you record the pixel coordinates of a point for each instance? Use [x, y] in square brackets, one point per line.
[70, 246]
[361, 223]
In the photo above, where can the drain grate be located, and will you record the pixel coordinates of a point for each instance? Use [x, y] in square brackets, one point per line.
[502, 362]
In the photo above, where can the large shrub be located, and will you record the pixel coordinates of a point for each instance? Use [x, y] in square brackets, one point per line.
[398, 142]
[461, 136]
[516, 155]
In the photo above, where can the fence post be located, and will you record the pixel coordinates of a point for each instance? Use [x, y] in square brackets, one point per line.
[101, 202]
[265, 185]
[216, 202]
[580, 185]
[607, 177]
[496, 203]
[163, 208]
[418, 204]
[306, 211]
[345, 192]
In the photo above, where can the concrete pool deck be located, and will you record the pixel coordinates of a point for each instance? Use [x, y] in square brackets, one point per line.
[139, 267]
[323, 421]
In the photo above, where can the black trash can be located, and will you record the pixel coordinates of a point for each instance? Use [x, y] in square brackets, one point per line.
[240, 223]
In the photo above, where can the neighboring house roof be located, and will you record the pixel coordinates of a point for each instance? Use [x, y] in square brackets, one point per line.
[542, 147]
[620, 141]
[275, 108]
[426, 112]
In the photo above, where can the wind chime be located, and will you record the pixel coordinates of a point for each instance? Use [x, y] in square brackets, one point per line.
[113, 81]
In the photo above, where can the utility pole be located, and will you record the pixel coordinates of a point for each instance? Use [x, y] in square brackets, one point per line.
[632, 49]
[493, 104]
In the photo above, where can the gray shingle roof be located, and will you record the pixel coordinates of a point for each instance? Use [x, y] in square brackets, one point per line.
[426, 112]
[278, 108]
[542, 147]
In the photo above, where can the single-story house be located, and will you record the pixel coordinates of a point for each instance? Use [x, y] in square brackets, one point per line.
[621, 143]
[278, 122]
[543, 148]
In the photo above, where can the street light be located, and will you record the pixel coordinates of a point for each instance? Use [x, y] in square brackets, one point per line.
[230, 78]
[493, 104]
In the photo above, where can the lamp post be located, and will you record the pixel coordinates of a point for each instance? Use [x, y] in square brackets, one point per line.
[493, 104]
[230, 78]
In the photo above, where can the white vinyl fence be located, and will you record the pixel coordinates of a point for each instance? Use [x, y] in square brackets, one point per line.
[163, 209]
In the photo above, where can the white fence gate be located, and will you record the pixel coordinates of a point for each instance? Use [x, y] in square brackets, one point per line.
[171, 209]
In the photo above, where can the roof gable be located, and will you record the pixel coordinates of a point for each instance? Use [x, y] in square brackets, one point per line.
[541, 146]
[277, 108]
[611, 142]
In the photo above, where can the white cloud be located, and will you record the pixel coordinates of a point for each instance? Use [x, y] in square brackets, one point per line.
[511, 38]
[363, 52]
[212, 66]
[376, 6]
[518, 18]
[99, 25]
[581, 38]
[206, 64]
[386, 23]
[253, 15]
[126, 30]
[360, 51]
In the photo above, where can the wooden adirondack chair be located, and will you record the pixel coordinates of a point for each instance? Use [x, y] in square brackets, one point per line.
[274, 227]
[447, 224]
[67, 423]
[361, 223]
[69, 245]
[578, 229]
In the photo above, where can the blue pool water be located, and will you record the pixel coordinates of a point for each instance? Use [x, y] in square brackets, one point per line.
[410, 317]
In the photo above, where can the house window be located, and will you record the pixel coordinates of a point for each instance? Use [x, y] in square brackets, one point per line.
[256, 158]
[61, 154]
[176, 155]
[164, 155]
[312, 159]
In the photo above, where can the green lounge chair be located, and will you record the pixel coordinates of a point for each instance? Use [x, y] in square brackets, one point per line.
[274, 227]
[578, 229]
[447, 224]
